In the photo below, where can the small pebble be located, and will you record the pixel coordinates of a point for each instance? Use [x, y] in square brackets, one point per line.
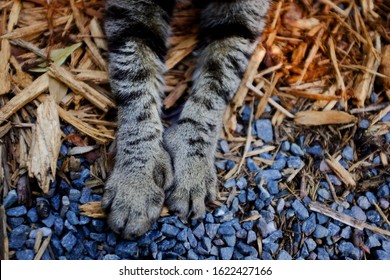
[32, 215]
[373, 216]
[320, 232]
[25, 254]
[68, 241]
[169, 230]
[322, 254]
[383, 191]
[230, 183]
[252, 166]
[364, 124]
[251, 237]
[296, 150]
[373, 242]
[363, 202]
[311, 244]
[223, 144]
[74, 195]
[17, 211]
[268, 175]
[199, 231]
[285, 146]
[10, 199]
[382, 255]
[264, 130]
[49, 221]
[309, 225]
[300, 210]
[126, 249]
[294, 162]
[333, 229]
[347, 153]
[371, 198]
[284, 255]
[315, 150]
[346, 232]
[358, 213]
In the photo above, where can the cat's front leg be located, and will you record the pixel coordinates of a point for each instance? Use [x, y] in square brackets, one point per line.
[229, 31]
[136, 33]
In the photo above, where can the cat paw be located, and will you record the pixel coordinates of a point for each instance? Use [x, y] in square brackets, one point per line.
[195, 179]
[134, 195]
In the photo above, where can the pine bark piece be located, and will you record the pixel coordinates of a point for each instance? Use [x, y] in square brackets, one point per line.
[25, 96]
[323, 117]
[45, 145]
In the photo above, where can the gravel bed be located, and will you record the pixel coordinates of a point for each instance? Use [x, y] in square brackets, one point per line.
[263, 215]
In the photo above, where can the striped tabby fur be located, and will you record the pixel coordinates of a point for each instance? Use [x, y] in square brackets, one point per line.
[175, 166]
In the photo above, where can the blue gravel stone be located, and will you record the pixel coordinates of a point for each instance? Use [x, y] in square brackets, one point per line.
[285, 146]
[264, 194]
[322, 219]
[311, 244]
[169, 230]
[199, 230]
[247, 225]
[325, 194]
[386, 245]
[268, 175]
[242, 197]
[126, 249]
[358, 213]
[335, 180]
[58, 226]
[363, 202]
[279, 164]
[300, 210]
[322, 254]
[315, 150]
[230, 164]
[230, 183]
[14, 222]
[266, 256]
[191, 238]
[10, 199]
[273, 237]
[18, 236]
[220, 211]
[264, 130]
[273, 187]
[209, 218]
[387, 137]
[371, 198]
[348, 250]
[333, 229]
[226, 230]
[382, 255]
[364, 124]
[100, 237]
[245, 249]
[347, 153]
[284, 255]
[206, 244]
[85, 195]
[346, 232]
[223, 144]
[296, 150]
[16, 211]
[167, 244]
[32, 215]
[294, 162]
[373, 242]
[280, 205]
[72, 218]
[68, 241]
[221, 164]
[226, 253]
[241, 234]
[373, 216]
[182, 235]
[241, 183]
[384, 191]
[111, 257]
[251, 237]
[74, 195]
[25, 254]
[271, 247]
[320, 232]
[228, 216]
[191, 255]
[252, 166]
[91, 248]
[230, 240]
[211, 230]
[251, 195]
[309, 225]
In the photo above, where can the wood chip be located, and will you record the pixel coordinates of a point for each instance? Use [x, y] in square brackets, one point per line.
[45, 147]
[323, 117]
